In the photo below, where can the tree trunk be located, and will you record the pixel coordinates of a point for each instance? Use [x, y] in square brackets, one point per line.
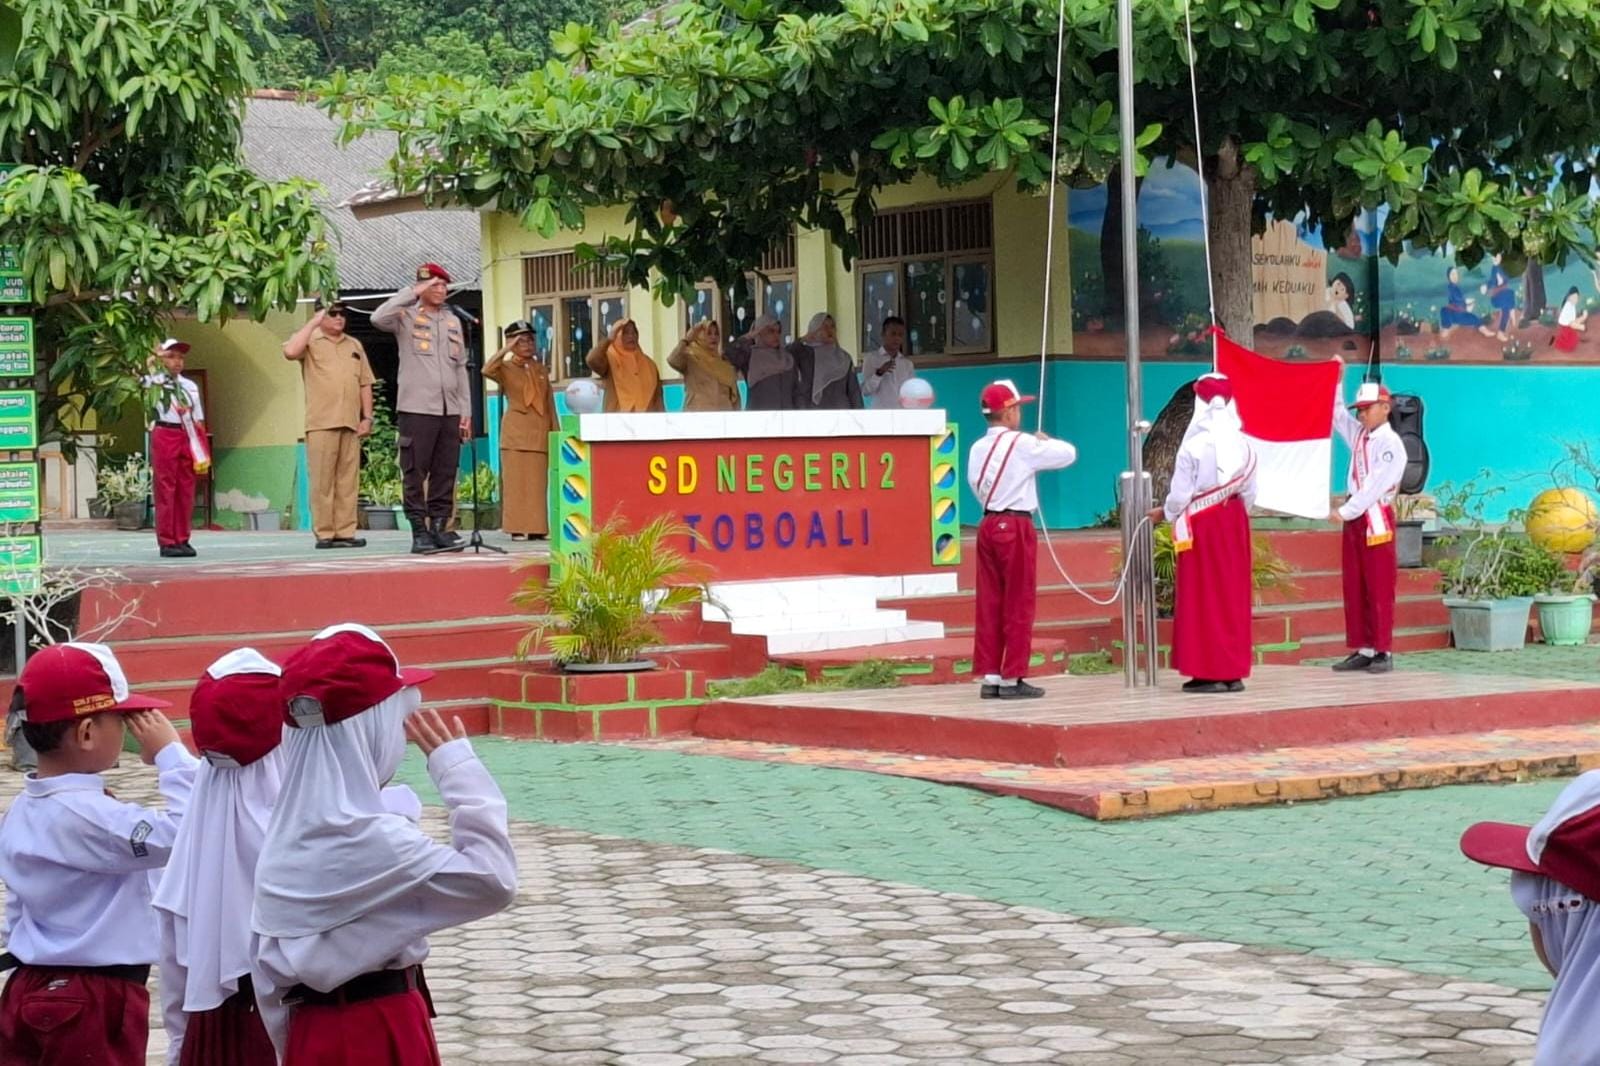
[1231, 197]
[1111, 257]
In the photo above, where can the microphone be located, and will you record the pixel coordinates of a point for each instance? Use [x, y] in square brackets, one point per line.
[461, 312]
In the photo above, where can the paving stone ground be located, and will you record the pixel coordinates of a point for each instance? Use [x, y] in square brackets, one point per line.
[677, 910]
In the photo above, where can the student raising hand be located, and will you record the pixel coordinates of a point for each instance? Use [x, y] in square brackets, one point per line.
[426, 729]
[153, 732]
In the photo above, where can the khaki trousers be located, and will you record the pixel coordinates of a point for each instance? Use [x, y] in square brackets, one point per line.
[333, 457]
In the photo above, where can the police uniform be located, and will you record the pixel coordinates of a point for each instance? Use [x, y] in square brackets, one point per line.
[431, 399]
[335, 371]
[1371, 566]
[77, 863]
[1001, 468]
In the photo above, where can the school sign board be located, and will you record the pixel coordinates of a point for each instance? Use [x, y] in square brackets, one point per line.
[16, 347]
[768, 494]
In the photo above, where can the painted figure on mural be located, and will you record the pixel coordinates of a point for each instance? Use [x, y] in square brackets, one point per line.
[530, 416]
[1570, 322]
[1340, 292]
[1457, 309]
[1501, 297]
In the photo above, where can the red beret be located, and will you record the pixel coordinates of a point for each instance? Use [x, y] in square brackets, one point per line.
[236, 713]
[433, 270]
[340, 672]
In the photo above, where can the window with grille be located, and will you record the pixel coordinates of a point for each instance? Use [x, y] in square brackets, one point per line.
[769, 291]
[570, 305]
[933, 266]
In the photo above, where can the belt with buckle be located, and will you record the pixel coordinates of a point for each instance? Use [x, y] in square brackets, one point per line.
[162, 424]
[368, 986]
[137, 974]
[1013, 514]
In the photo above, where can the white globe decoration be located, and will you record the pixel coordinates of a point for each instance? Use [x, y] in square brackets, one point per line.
[583, 396]
[916, 393]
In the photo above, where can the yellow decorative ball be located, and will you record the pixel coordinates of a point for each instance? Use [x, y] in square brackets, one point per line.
[1563, 520]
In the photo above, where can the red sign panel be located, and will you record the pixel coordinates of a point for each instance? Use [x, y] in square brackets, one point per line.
[768, 508]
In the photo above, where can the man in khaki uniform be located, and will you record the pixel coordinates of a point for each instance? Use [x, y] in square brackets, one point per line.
[433, 404]
[338, 381]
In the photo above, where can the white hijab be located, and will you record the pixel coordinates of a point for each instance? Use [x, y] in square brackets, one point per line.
[335, 851]
[1217, 424]
[212, 870]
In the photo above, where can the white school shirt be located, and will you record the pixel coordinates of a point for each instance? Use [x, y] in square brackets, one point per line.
[1569, 925]
[167, 411]
[1386, 462]
[1194, 473]
[478, 881]
[1015, 489]
[883, 390]
[78, 866]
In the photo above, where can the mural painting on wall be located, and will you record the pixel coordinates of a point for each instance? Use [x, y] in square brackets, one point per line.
[1311, 301]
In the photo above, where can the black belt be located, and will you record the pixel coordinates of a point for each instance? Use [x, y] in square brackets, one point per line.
[1014, 514]
[137, 974]
[368, 986]
[168, 425]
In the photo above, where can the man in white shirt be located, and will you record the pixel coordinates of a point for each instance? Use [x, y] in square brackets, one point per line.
[1001, 467]
[1371, 567]
[171, 460]
[888, 368]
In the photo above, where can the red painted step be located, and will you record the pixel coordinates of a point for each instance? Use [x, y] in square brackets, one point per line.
[1308, 620]
[1056, 602]
[945, 661]
[1314, 586]
[1332, 645]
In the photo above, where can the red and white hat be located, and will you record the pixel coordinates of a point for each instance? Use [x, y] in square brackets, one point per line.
[433, 270]
[1564, 845]
[340, 672]
[67, 681]
[236, 712]
[172, 344]
[999, 395]
[1370, 393]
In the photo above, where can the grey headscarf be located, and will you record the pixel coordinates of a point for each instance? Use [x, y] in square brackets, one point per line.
[829, 361]
[765, 362]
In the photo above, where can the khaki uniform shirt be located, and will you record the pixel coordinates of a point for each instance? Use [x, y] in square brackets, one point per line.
[433, 356]
[530, 407]
[335, 372]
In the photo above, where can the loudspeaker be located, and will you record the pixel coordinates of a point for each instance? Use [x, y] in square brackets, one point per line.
[1405, 415]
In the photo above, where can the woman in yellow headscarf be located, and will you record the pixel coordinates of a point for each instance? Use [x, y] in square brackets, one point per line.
[710, 382]
[530, 415]
[629, 377]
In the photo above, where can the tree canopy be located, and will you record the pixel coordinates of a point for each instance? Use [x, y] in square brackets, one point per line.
[130, 202]
[1472, 121]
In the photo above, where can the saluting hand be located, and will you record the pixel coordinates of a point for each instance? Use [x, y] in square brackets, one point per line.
[426, 729]
[153, 732]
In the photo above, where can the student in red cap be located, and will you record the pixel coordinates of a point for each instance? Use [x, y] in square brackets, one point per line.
[76, 864]
[347, 892]
[1555, 883]
[1001, 468]
[172, 462]
[1371, 566]
[208, 1004]
[1213, 485]
[432, 402]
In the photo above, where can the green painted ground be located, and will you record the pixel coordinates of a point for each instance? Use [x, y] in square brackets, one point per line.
[1377, 879]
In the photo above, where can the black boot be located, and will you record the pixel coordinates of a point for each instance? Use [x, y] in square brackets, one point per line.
[444, 539]
[422, 541]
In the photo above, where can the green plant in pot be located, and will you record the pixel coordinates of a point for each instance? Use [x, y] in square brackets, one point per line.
[123, 489]
[601, 604]
[380, 483]
[1409, 518]
[1566, 520]
[486, 513]
[1491, 572]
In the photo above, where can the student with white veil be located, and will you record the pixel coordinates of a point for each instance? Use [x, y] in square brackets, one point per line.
[1213, 486]
[209, 1006]
[827, 372]
[347, 892]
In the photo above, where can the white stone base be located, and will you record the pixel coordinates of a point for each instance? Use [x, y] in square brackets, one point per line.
[825, 613]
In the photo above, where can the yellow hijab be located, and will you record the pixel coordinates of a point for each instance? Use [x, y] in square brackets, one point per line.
[634, 377]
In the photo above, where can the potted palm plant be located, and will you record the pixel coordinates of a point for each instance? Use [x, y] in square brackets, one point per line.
[601, 604]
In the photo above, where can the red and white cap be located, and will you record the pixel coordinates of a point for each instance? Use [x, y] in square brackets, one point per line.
[428, 271]
[340, 672]
[236, 712]
[67, 681]
[999, 395]
[1370, 393]
[172, 344]
[1564, 845]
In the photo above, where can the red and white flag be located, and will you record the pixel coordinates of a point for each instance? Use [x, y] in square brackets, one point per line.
[1287, 413]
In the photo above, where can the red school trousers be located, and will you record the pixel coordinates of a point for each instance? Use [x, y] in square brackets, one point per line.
[387, 1031]
[1371, 573]
[1007, 588]
[51, 1017]
[173, 468]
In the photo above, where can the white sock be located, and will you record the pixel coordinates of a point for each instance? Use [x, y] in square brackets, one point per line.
[1010, 682]
[991, 679]
[1368, 652]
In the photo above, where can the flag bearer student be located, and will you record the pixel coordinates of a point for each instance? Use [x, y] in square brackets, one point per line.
[171, 460]
[1001, 468]
[347, 892]
[77, 863]
[208, 1004]
[1555, 883]
[1371, 567]
[1213, 485]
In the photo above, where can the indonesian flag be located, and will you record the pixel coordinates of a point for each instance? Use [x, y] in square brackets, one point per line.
[1287, 413]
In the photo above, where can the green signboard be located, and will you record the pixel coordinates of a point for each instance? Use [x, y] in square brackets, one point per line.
[13, 287]
[21, 559]
[19, 421]
[19, 492]
[16, 347]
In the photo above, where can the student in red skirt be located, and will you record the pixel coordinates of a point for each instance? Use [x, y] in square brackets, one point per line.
[207, 948]
[347, 891]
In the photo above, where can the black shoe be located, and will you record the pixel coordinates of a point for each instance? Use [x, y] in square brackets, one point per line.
[1194, 685]
[347, 542]
[1235, 686]
[1382, 663]
[1355, 661]
[173, 551]
[1205, 688]
[447, 541]
[989, 692]
[422, 543]
[1020, 691]
[188, 550]
[324, 544]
